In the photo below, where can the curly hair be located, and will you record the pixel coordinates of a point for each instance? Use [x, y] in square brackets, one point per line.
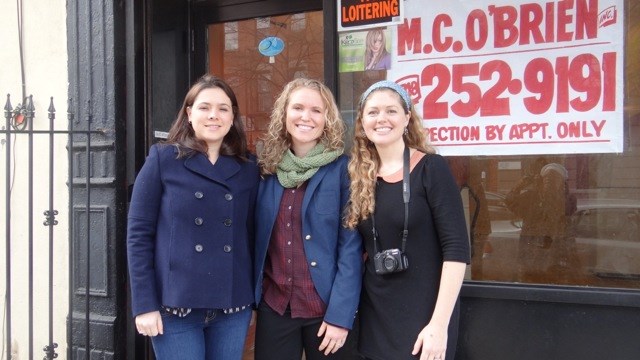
[365, 161]
[277, 140]
[183, 137]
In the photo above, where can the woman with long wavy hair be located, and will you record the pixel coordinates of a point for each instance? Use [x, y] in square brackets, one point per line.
[376, 56]
[406, 205]
[308, 266]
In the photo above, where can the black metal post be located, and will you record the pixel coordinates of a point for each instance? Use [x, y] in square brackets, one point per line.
[51, 222]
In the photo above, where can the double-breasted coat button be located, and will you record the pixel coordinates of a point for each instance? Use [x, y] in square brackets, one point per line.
[198, 221]
[227, 222]
[198, 248]
[199, 195]
[228, 197]
[308, 237]
[314, 264]
[227, 248]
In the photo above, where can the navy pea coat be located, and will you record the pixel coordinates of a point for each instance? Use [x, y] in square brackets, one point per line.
[334, 253]
[190, 232]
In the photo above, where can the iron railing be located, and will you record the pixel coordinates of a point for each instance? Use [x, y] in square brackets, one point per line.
[19, 122]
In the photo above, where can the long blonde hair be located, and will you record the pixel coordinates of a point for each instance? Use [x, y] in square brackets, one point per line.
[277, 140]
[365, 161]
[372, 36]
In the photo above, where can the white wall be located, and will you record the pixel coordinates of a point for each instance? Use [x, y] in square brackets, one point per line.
[44, 46]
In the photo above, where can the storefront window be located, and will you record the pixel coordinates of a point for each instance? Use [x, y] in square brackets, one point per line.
[543, 213]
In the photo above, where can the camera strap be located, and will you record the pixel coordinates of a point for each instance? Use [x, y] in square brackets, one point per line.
[406, 194]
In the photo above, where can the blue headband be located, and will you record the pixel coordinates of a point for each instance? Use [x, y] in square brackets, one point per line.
[388, 85]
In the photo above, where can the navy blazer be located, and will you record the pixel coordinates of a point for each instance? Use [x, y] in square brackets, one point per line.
[334, 253]
[190, 232]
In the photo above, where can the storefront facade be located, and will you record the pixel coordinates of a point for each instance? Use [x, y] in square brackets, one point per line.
[536, 106]
[504, 88]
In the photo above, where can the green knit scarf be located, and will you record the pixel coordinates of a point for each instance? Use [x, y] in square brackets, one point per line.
[293, 171]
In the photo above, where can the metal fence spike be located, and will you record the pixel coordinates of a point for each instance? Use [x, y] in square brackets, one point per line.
[30, 107]
[7, 106]
[51, 110]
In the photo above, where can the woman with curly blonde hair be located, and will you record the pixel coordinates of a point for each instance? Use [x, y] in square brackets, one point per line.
[308, 266]
[406, 205]
[278, 140]
[365, 162]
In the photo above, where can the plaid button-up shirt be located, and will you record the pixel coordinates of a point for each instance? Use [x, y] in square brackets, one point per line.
[287, 280]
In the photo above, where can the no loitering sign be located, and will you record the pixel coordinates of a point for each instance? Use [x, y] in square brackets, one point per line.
[363, 14]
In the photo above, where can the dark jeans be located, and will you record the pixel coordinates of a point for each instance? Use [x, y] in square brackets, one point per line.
[203, 334]
[279, 337]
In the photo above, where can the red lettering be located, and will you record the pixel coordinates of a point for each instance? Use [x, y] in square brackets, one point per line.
[586, 19]
[432, 134]
[531, 17]
[439, 43]
[475, 41]
[373, 11]
[564, 19]
[607, 16]
[550, 23]
[369, 11]
[409, 36]
[345, 18]
[598, 126]
[505, 31]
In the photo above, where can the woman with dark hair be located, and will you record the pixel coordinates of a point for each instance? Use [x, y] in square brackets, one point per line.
[190, 231]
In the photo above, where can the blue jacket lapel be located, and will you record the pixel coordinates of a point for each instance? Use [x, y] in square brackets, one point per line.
[224, 168]
[314, 182]
[277, 192]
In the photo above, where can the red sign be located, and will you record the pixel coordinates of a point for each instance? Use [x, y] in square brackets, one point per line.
[362, 14]
[496, 77]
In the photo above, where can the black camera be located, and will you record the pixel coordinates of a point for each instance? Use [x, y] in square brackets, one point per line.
[390, 261]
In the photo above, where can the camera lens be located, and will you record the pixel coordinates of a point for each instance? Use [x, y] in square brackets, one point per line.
[390, 263]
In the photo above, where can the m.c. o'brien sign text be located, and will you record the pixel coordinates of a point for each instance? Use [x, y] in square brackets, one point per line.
[514, 77]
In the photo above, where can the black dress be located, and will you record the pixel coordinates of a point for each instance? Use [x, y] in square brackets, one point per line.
[394, 308]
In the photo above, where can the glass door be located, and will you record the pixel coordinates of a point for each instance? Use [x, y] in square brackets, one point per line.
[258, 56]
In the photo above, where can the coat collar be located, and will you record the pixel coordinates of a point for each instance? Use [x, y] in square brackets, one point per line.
[315, 180]
[224, 168]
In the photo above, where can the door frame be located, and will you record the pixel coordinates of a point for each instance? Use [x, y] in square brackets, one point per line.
[210, 12]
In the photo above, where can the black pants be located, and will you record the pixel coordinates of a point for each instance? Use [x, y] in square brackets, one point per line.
[279, 337]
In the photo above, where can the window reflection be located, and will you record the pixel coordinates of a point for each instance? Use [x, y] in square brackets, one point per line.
[544, 206]
[584, 231]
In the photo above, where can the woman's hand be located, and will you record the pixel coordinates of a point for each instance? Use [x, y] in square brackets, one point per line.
[433, 338]
[334, 338]
[149, 324]
[433, 342]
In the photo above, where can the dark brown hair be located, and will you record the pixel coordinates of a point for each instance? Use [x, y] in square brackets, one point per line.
[183, 137]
